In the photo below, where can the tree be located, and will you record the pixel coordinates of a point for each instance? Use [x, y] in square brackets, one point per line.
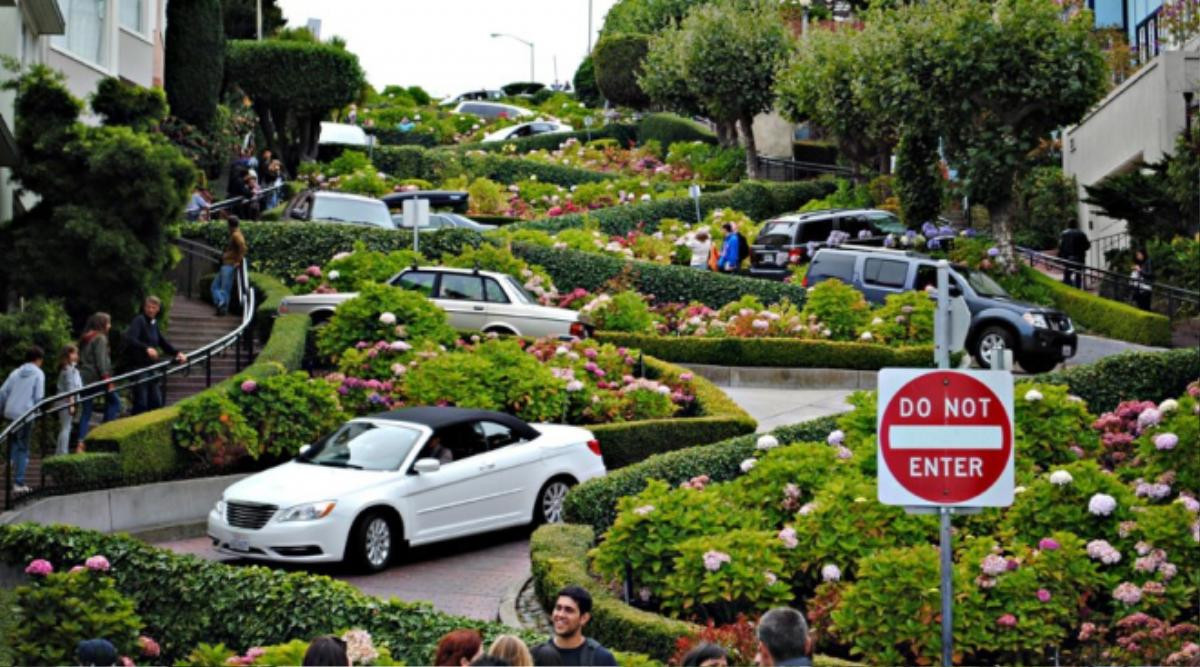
[918, 176]
[646, 16]
[294, 84]
[194, 60]
[98, 238]
[618, 62]
[240, 20]
[726, 55]
[584, 81]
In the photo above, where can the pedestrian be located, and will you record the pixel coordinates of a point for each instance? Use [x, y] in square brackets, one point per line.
[143, 340]
[95, 365]
[458, 648]
[327, 651]
[405, 125]
[706, 655]
[730, 252]
[251, 196]
[95, 652]
[783, 638]
[572, 611]
[512, 650]
[700, 247]
[352, 115]
[68, 380]
[545, 655]
[1143, 277]
[273, 180]
[24, 388]
[198, 207]
[1073, 245]
[231, 261]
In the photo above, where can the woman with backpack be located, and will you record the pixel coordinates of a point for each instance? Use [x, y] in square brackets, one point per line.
[95, 364]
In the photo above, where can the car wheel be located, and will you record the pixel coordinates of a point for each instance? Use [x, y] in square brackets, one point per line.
[991, 339]
[549, 507]
[1035, 365]
[373, 541]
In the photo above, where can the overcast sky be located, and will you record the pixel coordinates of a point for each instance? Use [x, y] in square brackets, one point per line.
[444, 45]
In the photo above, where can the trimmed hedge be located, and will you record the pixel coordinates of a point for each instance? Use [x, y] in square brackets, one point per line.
[820, 152]
[668, 128]
[185, 600]
[617, 60]
[594, 502]
[572, 268]
[626, 443]
[1110, 318]
[756, 199]
[781, 352]
[1145, 376]
[503, 169]
[83, 470]
[415, 162]
[625, 135]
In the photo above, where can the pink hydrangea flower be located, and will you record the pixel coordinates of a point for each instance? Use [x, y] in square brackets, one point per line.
[1166, 441]
[1043, 595]
[770, 577]
[788, 537]
[831, 572]
[1007, 621]
[836, 437]
[39, 567]
[1127, 593]
[1148, 418]
[314, 271]
[249, 386]
[1048, 544]
[149, 647]
[1102, 504]
[844, 453]
[1189, 502]
[685, 377]
[993, 565]
[714, 559]
[644, 510]
[1102, 551]
[97, 564]
[806, 509]
[77, 568]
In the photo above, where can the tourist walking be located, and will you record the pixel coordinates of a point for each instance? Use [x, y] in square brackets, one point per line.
[326, 651]
[1072, 247]
[23, 389]
[198, 207]
[458, 648]
[701, 246]
[143, 340]
[273, 181]
[1143, 277]
[95, 364]
[572, 611]
[783, 639]
[511, 650]
[730, 252]
[68, 380]
[231, 261]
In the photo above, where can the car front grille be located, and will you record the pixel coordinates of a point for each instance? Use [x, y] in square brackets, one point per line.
[251, 516]
[1058, 322]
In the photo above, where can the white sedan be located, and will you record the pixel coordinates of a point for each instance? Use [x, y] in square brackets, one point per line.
[527, 130]
[405, 477]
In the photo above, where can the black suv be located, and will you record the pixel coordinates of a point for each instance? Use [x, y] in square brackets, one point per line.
[1040, 338]
[791, 239]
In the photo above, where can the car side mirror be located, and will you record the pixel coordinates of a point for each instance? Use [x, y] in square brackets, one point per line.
[955, 291]
[304, 449]
[426, 466]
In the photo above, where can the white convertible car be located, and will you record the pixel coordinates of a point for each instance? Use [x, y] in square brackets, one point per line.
[410, 476]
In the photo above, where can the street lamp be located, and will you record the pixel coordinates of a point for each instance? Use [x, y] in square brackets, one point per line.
[526, 43]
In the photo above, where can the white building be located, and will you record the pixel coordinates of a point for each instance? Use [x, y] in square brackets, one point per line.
[86, 40]
[1137, 122]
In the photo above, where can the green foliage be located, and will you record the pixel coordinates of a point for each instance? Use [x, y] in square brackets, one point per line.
[1151, 376]
[785, 352]
[129, 105]
[708, 162]
[363, 318]
[617, 60]
[286, 411]
[86, 470]
[746, 583]
[918, 177]
[584, 82]
[195, 60]
[241, 19]
[906, 318]
[624, 311]
[108, 197]
[1181, 461]
[783, 480]
[503, 169]
[839, 307]
[668, 128]
[1045, 507]
[1113, 319]
[41, 322]
[211, 426]
[623, 133]
[61, 609]
[1046, 202]
[1049, 424]
[487, 197]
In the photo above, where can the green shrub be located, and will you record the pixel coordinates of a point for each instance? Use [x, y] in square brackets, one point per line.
[1150, 376]
[1051, 428]
[840, 308]
[416, 162]
[745, 583]
[185, 600]
[906, 318]
[211, 426]
[286, 411]
[618, 62]
[708, 162]
[624, 311]
[90, 469]
[667, 128]
[1181, 461]
[487, 196]
[41, 322]
[365, 318]
[513, 170]
[1046, 201]
[143, 443]
[1106, 317]
[821, 152]
[61, 609]
[773, 352]
[783, 480]
[585, 83]
[194, 60]
[1045, 507]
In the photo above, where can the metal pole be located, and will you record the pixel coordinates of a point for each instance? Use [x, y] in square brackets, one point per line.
[589, 40]
[531, 75]
[941, 329]
[258, 19]
[947, 589]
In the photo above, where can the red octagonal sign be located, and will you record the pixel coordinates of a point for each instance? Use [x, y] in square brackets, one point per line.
[945, 438]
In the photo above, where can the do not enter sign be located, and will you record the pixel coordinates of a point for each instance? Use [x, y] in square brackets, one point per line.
[945, 438]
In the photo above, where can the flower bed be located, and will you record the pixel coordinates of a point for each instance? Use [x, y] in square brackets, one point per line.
[1097, 554]
[1153, 376]
[774, 352]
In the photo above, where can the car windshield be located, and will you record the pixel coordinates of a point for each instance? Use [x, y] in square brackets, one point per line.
[982, 283]
[363, 446]
[777, 232]
[523, 294]
[337, 209]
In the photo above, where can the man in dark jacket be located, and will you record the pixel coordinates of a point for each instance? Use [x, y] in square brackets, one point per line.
[1073, 246]
[143, 341]
[783, 639]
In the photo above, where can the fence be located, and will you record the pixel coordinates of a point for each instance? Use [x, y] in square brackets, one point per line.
[776, 169]
[233, 202]
[1165, 299]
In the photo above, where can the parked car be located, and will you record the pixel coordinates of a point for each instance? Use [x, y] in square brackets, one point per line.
[1040, 338]
[528, 130]
[791, 239]
[473, 95]
[330, 206]
[406, 477]
[474, 301]
[338, 137]
[491, 110]
[444, 221]
[455, 200]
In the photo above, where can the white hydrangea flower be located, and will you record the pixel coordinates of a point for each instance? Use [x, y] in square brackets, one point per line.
[1061, 478]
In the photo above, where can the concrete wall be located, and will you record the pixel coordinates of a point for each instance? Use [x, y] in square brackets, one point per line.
[130, 509]
[136, 58]
[773, 135]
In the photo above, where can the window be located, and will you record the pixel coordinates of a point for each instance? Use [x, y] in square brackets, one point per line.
[523, 294]
[926, 277]
[817, 231]
[496, 435]
[833, 265]
[461, 287]
[495, 294]
[777, 232]
[852, 225]
[364, 446]
[84, 36]
[887, 223]
[131, 15]
[362, 211]
[884, 272]
[416, 281]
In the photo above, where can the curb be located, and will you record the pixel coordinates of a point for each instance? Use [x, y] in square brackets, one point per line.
[508, 604]
[785, 378]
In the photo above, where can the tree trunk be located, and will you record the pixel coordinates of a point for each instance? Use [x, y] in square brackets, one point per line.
[1001, 214]
[726, 134]
[751, 148]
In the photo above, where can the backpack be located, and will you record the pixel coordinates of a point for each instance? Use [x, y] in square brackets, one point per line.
[743, 248]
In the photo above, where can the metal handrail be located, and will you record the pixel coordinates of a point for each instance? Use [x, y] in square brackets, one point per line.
[153, 373]
[792, 168]
[237, 201]
[1100, 247]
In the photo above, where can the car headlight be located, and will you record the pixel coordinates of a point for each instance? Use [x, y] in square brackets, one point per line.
[1036, 319]
[219, 508]
[308, 511]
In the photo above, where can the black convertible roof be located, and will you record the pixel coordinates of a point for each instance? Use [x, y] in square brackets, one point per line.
[438, 418]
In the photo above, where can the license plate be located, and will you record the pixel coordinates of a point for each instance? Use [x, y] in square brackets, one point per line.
[239, 544]
[1068, 351]
[781, 258]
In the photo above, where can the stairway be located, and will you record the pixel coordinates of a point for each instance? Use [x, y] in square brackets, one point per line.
[194, 324]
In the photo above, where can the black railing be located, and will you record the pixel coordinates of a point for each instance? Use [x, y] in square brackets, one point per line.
[1165, 299]
[1098, 252]
[233, 202]
[240, 340]
[777, 169]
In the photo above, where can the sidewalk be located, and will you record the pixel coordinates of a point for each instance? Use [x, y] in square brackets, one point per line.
[779, 407]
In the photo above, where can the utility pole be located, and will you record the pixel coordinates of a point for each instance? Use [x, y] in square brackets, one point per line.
[589, 40]
[258, 19]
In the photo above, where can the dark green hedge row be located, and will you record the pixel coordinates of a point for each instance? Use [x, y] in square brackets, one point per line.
[1146, 376]
[571, 268]
[1106, 317]
[85, 470]
[758, 200]
[415, 162]
[594, 502]
[625, 134]
[773, 352]
[185, 600]
[503, 169]
[821, 152]
[668, 128]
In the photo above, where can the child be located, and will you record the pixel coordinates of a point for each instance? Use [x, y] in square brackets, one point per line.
[68, 380]
[24, 388]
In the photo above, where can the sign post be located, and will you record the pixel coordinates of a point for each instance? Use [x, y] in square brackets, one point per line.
[694, 193]
[416, 213]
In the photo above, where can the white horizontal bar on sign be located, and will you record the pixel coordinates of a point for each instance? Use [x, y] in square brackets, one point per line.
[946, 437]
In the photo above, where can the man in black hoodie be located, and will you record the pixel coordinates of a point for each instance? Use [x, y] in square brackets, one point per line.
[143, 341]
